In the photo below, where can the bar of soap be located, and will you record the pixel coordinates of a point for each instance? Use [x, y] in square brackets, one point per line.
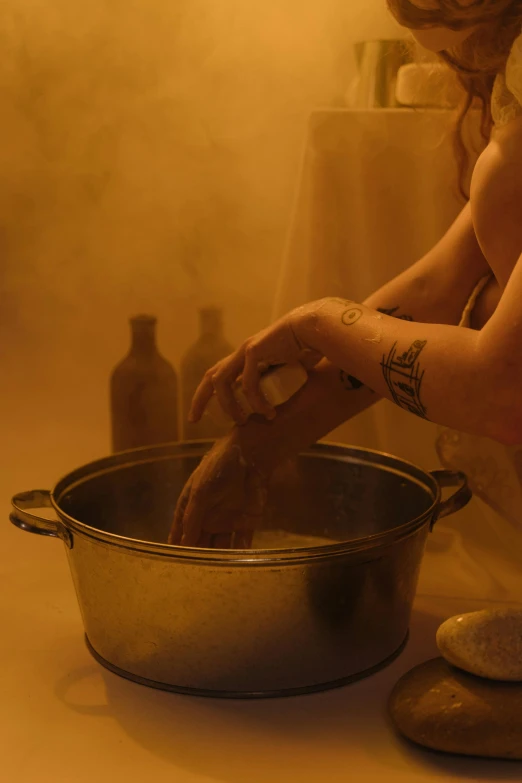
[427, 85]
[278, 386]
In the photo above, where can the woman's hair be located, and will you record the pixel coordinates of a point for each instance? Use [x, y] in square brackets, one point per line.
[478, 60]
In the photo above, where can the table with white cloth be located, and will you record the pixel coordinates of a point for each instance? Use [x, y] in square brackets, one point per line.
[377, 189]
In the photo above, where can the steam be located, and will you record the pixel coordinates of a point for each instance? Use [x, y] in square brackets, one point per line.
[148, 155]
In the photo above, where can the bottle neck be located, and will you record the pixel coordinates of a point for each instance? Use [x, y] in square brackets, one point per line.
[210, 323]
[143, 336]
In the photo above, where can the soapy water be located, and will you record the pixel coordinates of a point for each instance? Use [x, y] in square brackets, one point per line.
[282, 539]
[376, 337]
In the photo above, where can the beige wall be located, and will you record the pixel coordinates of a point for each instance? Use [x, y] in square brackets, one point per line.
[148, 156]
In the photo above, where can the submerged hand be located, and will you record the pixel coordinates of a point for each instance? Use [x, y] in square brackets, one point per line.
[222, 503]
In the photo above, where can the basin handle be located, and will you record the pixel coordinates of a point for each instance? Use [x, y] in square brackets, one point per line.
[23, 502]
[459, 499]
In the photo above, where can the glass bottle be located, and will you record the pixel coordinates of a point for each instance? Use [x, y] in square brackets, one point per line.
[210, 347]
[144, 392]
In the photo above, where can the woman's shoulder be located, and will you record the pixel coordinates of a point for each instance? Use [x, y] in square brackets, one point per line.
[496, 198]
[499, 167]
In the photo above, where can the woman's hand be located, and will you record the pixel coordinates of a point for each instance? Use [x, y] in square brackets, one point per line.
[280, 344]
[222, 503]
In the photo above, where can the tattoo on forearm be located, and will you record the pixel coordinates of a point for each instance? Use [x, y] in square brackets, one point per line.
[404, 377]
[351, 316]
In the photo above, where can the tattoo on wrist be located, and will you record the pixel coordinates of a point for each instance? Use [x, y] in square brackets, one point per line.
[351, 316]
[392, 312]
[354, 313]
[349, 382]
[403, 375]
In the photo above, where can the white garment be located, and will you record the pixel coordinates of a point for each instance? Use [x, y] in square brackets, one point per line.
[506, 102]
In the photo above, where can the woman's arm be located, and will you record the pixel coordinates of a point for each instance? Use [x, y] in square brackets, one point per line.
[471, 380]
[434, 290]
[222, 503]
[437, 372]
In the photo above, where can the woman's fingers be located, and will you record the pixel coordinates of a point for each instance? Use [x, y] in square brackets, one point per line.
[176, 531]
[224, 379]
[193, 520]
[250, 382]
[202, 397]
[219, 380]
[278, 344]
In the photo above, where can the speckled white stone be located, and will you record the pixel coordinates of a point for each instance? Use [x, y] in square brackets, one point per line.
[487, 643]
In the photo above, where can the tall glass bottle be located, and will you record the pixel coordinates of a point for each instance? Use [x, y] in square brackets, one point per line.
[210, 347]
[144, 392]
